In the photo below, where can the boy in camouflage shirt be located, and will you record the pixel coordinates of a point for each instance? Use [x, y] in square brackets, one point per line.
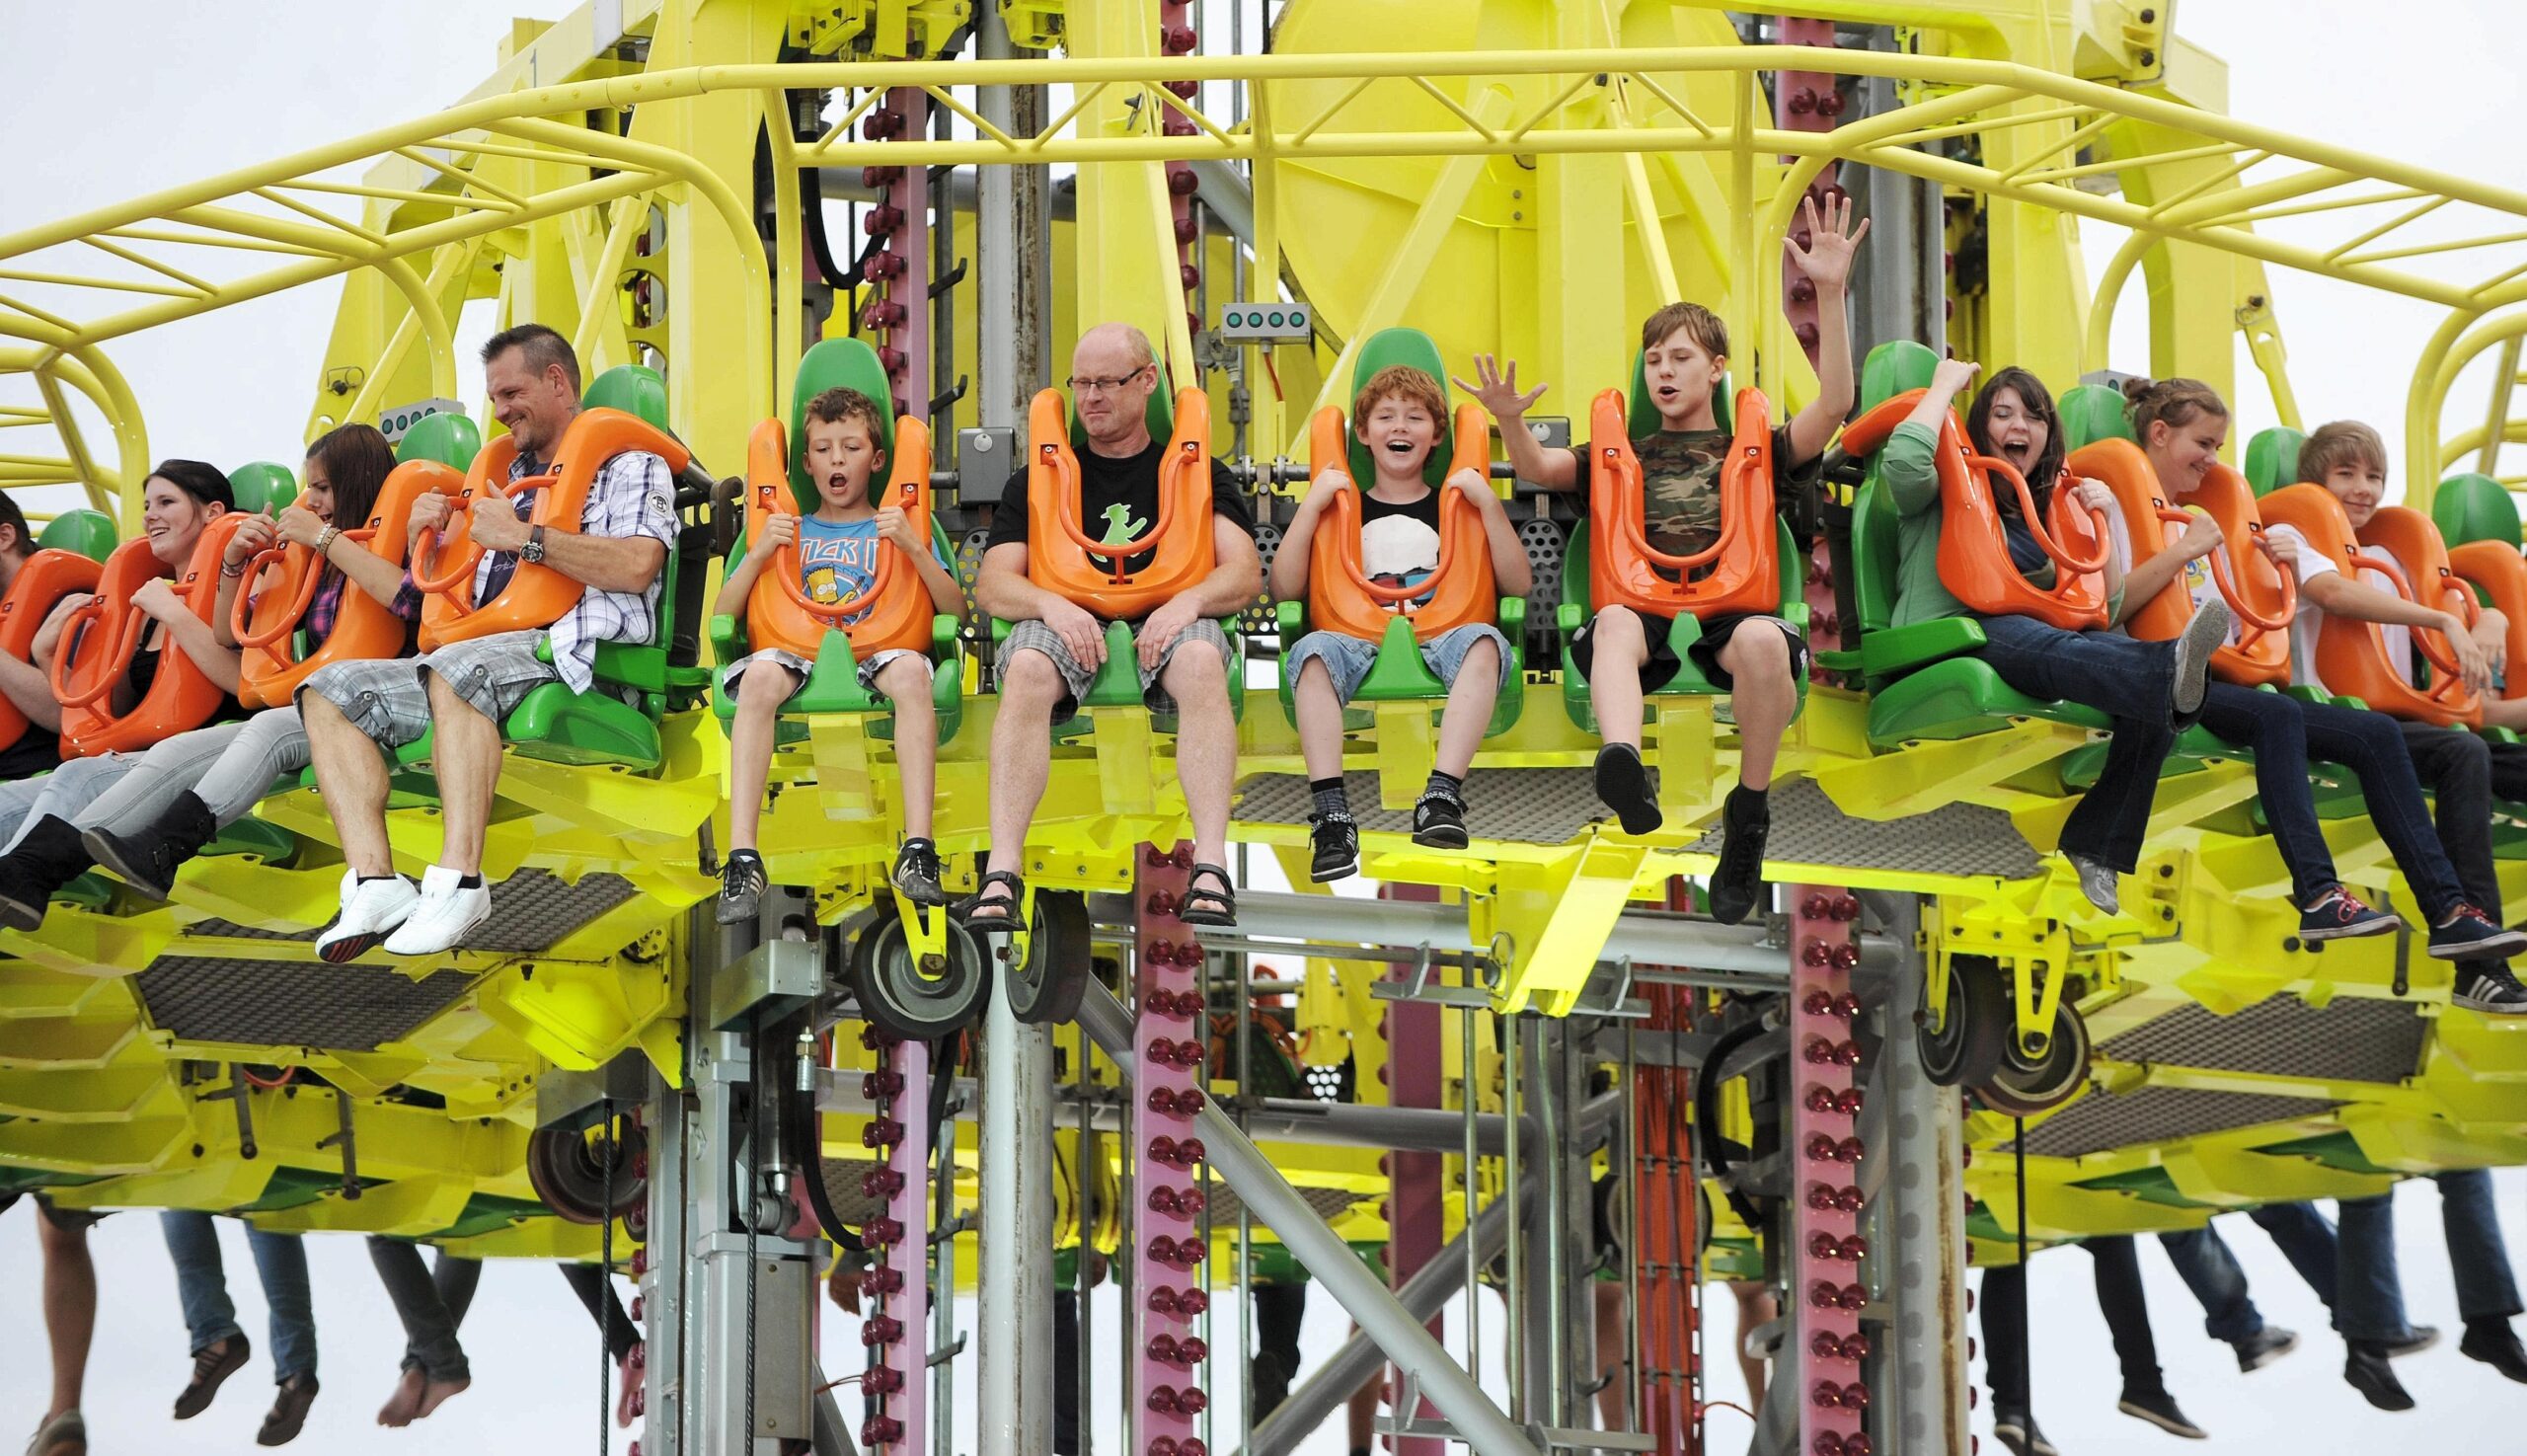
[1755, 658]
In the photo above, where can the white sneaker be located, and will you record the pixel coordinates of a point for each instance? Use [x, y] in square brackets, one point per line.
[446, 912]
[371, 909]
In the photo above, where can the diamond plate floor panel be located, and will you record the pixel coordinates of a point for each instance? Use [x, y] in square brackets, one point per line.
[1531, 806]
[1955, 839]
[287, 1002]
[2102, 1121]
[530, 912]
[2355, 1040]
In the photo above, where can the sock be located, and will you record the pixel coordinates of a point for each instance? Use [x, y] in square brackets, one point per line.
[1443, 783]
[470, 881]
[373, 879]
[1330, 796]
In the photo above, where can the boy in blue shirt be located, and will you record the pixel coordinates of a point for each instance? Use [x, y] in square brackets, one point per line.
[838, 551]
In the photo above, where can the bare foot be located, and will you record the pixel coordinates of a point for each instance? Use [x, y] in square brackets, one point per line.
[401, 1407]
[435, 1394]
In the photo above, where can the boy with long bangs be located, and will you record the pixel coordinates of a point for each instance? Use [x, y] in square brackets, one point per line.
[838, 553]
[1755, 657]
[1401, 416]
[2463, 771]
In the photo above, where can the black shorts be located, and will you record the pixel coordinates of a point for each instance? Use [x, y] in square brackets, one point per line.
[1663, 663]
[67, 1221]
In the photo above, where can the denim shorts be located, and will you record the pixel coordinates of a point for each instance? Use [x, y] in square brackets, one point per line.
[388, 697]
[799, 667]
[1348, 660]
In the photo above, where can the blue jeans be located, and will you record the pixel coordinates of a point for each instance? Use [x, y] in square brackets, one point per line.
[431, 1303]
[2373, 1303]
[1348, 660]
[202, 1284]
[2119, 1298]
[2284, 733]
[2133, 683]
[2202, 1259]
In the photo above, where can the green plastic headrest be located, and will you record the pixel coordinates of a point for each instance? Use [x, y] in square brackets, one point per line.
[836, 364]
[2272, 462]
[1641, 415]
[1892, 369]
[1413, 349]
[263, 485]
[451, 440]
[91, 533]
[2474, 507]
[635, 389]
[2093, 412]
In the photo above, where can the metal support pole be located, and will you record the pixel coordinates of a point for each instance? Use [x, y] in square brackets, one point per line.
[1016, 1299]
[1927, 1383]
[1479, 1422]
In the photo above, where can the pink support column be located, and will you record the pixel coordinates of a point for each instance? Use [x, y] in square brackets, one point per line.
[1171, 1040]
[897, 1286]
[898, 308]
[1176, 36]
[1826, 1248]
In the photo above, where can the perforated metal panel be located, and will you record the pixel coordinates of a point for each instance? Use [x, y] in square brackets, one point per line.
[2353, 1039]
[1533, 806]
[2102, 1121]
[1329, 1203]
[1544, 544]
[289, 1003]
[530, 912]
[842, 1189]
[1258, 617]
[1955, 839]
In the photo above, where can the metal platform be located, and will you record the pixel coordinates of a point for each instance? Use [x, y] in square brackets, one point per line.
[2104, 1122]
[1957, 839]
[291, 1003]
[1529, 806]
[531, 911]
[2353, 1039]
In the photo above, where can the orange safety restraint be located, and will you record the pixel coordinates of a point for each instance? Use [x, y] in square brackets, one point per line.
[2351, 655]
[1062, 557]
[1341, 597]
[1741, 572]
[2499, 571]
[1973, 546]
[2263, 597]
[270, 670]
[41, 585]
[779, 611]
[536, 595]
[99, 641]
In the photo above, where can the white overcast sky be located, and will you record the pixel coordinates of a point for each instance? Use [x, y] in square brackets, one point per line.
[106, 102]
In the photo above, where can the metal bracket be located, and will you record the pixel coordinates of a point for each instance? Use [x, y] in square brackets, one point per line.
[344, 1139]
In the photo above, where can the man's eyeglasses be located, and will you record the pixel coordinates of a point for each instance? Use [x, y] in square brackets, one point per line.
[1093, 384]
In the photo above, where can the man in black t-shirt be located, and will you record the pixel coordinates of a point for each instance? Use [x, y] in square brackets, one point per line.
[1057, 645]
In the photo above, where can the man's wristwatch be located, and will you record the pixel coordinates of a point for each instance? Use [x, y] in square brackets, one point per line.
[533, 550]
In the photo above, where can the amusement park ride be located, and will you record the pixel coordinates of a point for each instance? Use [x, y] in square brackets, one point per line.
[1931, 1051]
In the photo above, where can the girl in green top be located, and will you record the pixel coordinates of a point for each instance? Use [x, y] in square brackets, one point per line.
[2148, 689]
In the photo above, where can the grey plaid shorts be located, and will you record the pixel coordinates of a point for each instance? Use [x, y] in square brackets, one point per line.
[389, 698]
[1033, 636]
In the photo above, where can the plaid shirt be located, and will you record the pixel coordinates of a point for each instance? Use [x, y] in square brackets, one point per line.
[632, 494]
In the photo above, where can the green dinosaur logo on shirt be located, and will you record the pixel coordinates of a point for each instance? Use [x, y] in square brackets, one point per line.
[1120, 529]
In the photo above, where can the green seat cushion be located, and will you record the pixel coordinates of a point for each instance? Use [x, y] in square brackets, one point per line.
[1960, 698]
[635, 389]
[1387, 348]
[2474, 507]
[91, 533]
[2092, 412]
[453, 441]
[2273, 459]
[558, 726]
[262, 486]
[270, 843]
[835, 363]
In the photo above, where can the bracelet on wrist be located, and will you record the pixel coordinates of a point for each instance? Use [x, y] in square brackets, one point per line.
[231, 569]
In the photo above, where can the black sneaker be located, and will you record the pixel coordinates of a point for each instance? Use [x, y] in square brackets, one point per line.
[1438, 820]
[1739, 883]
[2264, 1346]
[2491, 990]
[2018, 1430]
[1334, 840]
[2366, 1371]
[148, 859]
[1623, 783]
[2493, 1343]
[742, 882]
[916, 876]
[2159, 1408]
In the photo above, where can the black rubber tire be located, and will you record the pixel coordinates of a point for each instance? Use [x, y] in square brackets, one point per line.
[1969, 1044]
[2023, 1091]
[567, 1167]
[1048, 987]
[899, 999]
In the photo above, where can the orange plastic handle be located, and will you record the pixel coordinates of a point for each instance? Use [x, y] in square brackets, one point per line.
[2433, 645]
[1396, 596]
[469, 556]
[785, 566]
[1627, 475]
[1066, 504]
[2224, 578]
[2060, 553]
[125, 650]
[299, 578]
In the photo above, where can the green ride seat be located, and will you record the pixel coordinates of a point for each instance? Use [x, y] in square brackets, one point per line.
[1399, 675]
[262, 486]
[2474, 507]
[2273, 459]
[1641, 418]
[453, 441]
[91, 533]
[833, 685]
[2091, 413]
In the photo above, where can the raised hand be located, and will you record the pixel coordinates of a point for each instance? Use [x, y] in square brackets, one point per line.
[1954, 377]
[1497, 389]
[1831, 241]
